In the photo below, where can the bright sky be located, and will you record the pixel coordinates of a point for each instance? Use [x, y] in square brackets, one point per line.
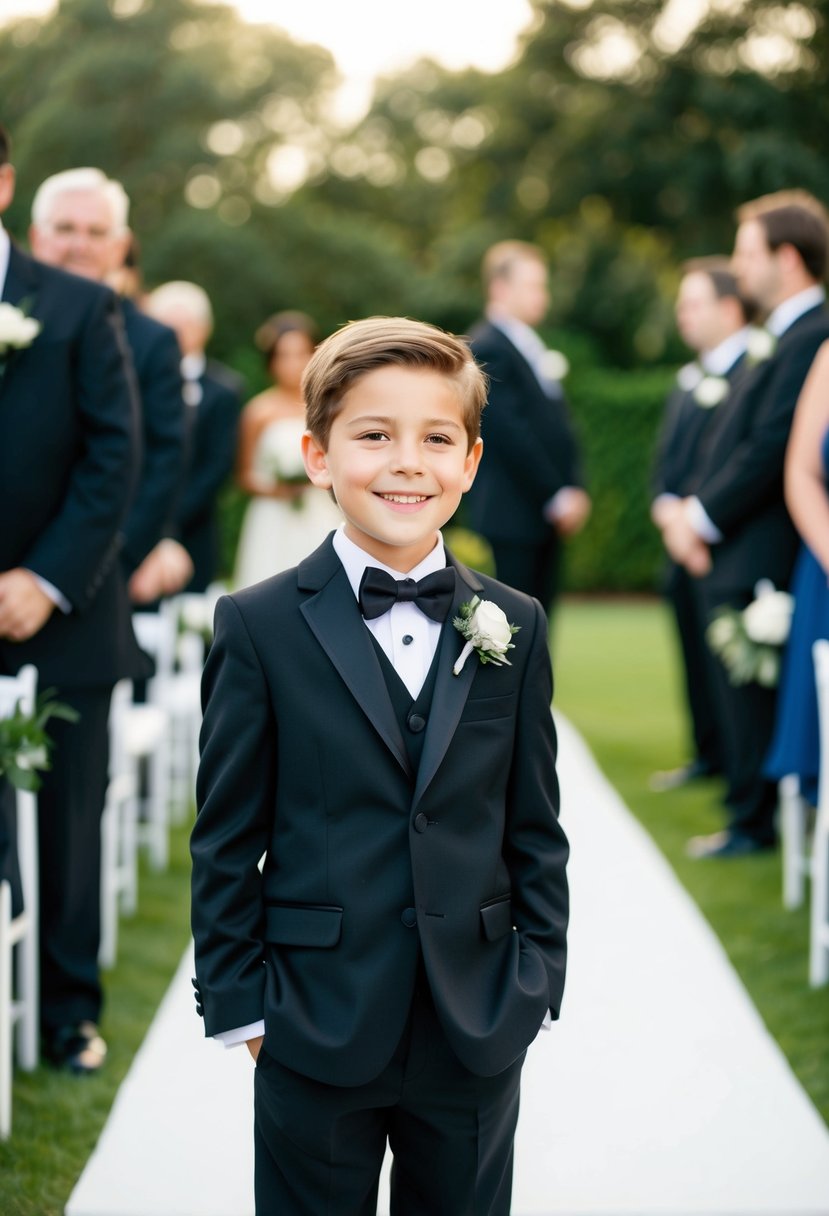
[371, 37]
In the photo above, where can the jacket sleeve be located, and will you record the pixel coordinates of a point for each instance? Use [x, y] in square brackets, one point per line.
[162, 412]
[76, 550]
[235, 792]
[535, 847]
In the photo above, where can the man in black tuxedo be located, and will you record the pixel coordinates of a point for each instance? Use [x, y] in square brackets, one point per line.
[213, 398]
[733, 529]
[711, 319]
[529, 495]
[79, 223]
[68, 446]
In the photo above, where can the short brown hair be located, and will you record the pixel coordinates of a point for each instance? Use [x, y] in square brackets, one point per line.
[793, 217]
[361, 347]
[500, 260]
[5, 146]
[717, 269]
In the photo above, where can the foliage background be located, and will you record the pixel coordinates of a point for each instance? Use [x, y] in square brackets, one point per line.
[621, 139]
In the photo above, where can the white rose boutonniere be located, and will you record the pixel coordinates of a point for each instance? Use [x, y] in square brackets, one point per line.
[17, 331]
[486, 629]
[689, 376]
[761, 345]
[554, 365]
[710, 391]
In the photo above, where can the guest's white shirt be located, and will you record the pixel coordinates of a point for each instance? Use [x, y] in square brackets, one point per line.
[57, 597]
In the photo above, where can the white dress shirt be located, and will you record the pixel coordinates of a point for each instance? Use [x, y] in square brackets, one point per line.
[409, 640]
[5, 246]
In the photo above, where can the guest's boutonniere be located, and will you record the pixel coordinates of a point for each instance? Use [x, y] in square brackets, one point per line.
[486, 630]
[761, 345]
[17, 331]
[554, 364]
[689, 376]
[710, 391]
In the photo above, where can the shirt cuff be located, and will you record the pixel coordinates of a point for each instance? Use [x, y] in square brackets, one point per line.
[547, 1024]
[702, 523]
[241, 1034]
[558, 505]
[57, 597]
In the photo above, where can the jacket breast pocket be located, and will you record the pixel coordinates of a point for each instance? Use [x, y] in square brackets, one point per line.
[496, 918]
[486, 709]
[303, 925]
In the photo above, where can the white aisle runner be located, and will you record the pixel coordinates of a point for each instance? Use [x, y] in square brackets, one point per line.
[659, 1093]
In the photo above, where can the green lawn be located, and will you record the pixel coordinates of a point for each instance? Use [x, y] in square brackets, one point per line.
[617, 681]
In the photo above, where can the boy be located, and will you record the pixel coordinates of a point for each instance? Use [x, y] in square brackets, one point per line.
[406, 937]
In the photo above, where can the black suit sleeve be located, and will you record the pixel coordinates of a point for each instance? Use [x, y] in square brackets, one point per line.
[751, 476]
[212, 459]
[76, 549]
[235, 792]
[162, 406]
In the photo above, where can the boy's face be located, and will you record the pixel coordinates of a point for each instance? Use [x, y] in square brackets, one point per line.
[397, 460]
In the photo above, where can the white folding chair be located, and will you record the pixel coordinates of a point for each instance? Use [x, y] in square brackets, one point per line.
[119, 824]
[819, 926]
[19, 976]
[148, 732]
[182, 695]
[795, 813]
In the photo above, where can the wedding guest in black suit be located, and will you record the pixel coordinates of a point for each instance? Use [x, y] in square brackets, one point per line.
[79, 223]
[711, 319]
[733, 529]
[68, 442]
[213, 400]
[529, 495]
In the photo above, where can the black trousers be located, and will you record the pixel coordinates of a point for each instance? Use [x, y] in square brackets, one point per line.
[70, 804]
[319, 1148]
[533, 568]
[745, 715]
[699, 694]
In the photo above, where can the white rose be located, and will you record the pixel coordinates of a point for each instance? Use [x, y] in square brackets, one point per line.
[768, 670]
[554, 364]
[710, 391]
[689, 376]
[490, 627]
[721, 631]
[761, 344]
[16, 329]
[768, 618]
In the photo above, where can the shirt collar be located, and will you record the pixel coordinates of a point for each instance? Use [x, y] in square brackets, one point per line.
[722, 358]
[784, 315]
[5, 249]
[523, 336]
[355, 560]
[192, 366]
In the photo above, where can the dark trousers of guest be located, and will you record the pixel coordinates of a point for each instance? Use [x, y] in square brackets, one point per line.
[745, 714]
[690, 624]
[70, 805]
[533, 569]
[9, 867]
[319, 1148]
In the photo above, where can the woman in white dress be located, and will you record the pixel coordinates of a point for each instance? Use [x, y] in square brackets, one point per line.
[287, 517]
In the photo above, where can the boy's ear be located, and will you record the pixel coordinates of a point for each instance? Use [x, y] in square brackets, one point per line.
[315, 463]
[473, 459]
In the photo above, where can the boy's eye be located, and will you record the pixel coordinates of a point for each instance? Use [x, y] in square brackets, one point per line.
[438, 439]
[374, 435]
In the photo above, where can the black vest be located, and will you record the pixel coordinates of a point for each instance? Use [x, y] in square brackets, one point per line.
[412, 715]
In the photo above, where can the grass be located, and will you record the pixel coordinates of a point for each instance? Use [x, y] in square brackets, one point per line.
[617, 680]
[57, 1118]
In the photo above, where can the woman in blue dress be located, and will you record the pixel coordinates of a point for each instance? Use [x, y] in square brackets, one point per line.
[795, 746]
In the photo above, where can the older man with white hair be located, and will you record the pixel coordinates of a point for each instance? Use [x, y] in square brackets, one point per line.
[213, 395]
[80, 224]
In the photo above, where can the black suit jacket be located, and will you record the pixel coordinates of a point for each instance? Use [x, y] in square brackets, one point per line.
[211, 451]
[740, 478]
[302, 759]
[530, 449]
[68, 439]
[157, 358]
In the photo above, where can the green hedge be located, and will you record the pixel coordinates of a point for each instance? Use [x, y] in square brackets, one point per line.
[617, 414]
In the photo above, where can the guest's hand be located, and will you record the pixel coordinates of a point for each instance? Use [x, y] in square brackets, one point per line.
[24, 605]
[684, 545]
[663, 510]
[255, 1045]
[569, 510]
[164, 571]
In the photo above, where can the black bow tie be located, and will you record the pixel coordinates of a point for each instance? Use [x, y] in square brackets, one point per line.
[379, 591]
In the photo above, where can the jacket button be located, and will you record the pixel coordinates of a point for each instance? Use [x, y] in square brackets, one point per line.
[421, 823]
[409, 917]
[416, 724]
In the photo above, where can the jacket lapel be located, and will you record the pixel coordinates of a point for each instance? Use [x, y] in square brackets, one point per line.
[451, 691]
[334, 619]
[20, 290]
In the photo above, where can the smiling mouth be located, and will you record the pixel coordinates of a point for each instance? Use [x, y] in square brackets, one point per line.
[407, 499]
